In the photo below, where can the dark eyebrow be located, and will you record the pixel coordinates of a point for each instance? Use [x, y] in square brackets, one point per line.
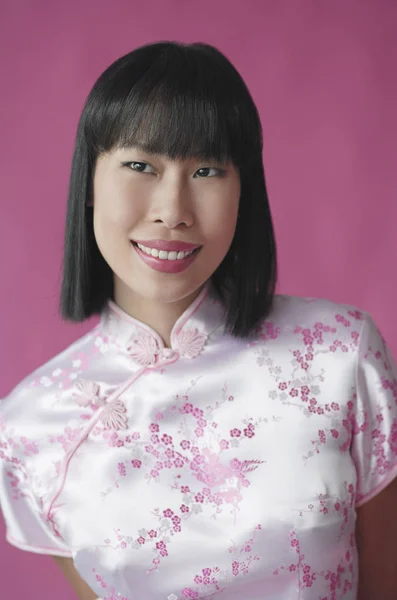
[142, 148]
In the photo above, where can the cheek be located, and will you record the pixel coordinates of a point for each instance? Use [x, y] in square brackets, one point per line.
[114, 213]
[112, 225]
[221, 219]
[115, 203]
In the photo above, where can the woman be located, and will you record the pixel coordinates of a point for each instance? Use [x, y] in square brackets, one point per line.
[208, 437]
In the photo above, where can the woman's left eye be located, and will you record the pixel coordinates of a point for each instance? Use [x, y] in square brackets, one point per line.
[204, 172]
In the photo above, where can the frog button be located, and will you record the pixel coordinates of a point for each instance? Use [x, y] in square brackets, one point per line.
[168, 353]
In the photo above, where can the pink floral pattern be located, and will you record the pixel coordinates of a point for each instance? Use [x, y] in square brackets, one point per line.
[204, 465]
[339, 580]
[208, 580]
[233, 473]
[15, 472]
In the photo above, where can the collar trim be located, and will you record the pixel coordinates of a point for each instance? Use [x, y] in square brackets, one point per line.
[188, 336]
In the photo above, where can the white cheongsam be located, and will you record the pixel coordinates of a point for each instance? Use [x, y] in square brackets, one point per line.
[218, 467]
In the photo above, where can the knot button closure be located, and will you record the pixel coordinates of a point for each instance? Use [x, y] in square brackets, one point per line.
[169, 353]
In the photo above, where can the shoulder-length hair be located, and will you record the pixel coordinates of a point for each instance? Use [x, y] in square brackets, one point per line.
[180, 101]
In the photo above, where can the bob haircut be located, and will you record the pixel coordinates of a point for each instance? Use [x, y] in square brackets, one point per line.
[180, 101]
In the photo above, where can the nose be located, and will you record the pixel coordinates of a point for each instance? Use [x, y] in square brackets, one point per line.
[172, 205]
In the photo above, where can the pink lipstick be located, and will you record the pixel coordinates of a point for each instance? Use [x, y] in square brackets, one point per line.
[167, 257]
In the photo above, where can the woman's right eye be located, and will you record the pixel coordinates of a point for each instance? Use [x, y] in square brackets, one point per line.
[138, 166]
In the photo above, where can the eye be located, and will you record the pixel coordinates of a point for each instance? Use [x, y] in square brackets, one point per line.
[139, 166]
[204, 172]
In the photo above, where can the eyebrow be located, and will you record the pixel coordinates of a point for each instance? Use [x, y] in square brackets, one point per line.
[139, 147]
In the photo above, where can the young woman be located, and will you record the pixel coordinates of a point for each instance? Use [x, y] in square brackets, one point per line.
[208, 438]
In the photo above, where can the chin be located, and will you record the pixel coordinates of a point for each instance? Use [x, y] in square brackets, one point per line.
[172, 291]
[166, 292]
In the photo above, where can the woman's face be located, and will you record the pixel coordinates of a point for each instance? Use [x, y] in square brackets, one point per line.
[182, 214]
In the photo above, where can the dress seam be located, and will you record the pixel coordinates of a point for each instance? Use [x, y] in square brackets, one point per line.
[116, 394]
[37, 549]
[391, 475]
[67, 460]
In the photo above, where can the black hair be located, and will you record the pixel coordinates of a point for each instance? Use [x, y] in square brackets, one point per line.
[181, 101]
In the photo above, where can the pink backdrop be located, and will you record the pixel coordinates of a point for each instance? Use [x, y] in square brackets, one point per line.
[324, 77]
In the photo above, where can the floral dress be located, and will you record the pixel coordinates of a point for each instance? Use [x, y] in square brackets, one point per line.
[215, 468]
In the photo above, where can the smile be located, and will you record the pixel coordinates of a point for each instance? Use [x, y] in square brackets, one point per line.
[164, 255]
[166, 261]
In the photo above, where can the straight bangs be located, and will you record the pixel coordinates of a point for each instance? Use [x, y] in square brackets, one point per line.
[183, 103]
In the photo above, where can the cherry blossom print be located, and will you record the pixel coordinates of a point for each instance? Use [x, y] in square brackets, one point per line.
[101, 342]
[15, 474]
[303, 389]
[388, 379]
[222, 481]
[190, 342]
[105, 588]
[15, 483]
[341, 580]
[212, 579]
[392, 439]
[65, 377]
[358, 315]
[30, 446]
[306, 575]
[293, 430]
[268, 331]
[66, 438]
[338, 506]
[342, 319]
[27, 485]
[336, 429]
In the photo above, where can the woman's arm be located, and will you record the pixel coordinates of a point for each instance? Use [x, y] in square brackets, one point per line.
[376, 533]
[83, 591]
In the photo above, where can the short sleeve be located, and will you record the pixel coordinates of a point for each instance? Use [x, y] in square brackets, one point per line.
[374, 418]
[26, 527]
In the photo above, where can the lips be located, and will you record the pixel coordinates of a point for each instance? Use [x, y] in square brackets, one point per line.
[168, 264]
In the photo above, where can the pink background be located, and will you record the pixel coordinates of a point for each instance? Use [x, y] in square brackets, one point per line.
[324, 77]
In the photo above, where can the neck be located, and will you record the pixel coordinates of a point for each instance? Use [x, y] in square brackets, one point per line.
[160, 316]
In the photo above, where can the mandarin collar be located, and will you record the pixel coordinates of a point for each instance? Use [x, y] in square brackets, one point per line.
[189, 336]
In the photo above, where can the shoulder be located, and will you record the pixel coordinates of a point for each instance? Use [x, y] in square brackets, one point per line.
[34, 408]
[316, 314]
[313, 322]
[287, 308]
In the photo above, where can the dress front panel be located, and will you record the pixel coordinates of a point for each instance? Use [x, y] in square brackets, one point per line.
[219, 467]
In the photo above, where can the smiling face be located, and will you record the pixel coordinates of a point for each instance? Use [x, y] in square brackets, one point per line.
[182, 213]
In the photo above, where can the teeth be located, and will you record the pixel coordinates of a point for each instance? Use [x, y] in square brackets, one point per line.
[163, 254]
